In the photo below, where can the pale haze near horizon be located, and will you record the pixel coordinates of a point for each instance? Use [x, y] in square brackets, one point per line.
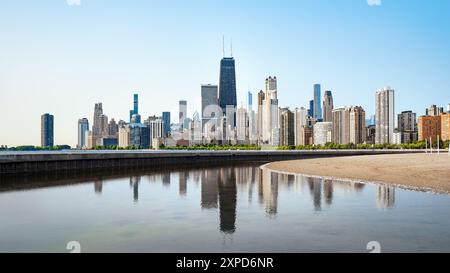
[63, 59]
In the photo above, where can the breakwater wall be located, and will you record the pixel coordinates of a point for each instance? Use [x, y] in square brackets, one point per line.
[34, 162]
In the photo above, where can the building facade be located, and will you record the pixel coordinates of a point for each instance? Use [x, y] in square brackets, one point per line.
[306, 136]
[323, 133]
[429, 128]
[445, 126]
[349, 125]
[434, 110]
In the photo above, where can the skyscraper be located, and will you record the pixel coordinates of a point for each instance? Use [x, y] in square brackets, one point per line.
[445, 126]
[259, 122]
[47, 139]
[407, 127]
[349, 125]
[156, 127]
[270, 118]
[341, 125]
[182, 112]
[328, 107]
[317, 112]
[104, 125]
[311, 109]
[249, 101]
[300, 119]
[135, 110]
[166, 123]
[384, 115]
[209, 104]
[96, 127]
[113, 128]
[83, 129]
[242, 126]
[357, 125]
[429, 127]
[287, 127]
[227, 85]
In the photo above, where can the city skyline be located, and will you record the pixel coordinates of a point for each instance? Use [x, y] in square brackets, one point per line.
[59, 79]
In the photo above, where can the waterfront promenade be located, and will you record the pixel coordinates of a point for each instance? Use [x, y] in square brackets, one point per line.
[31, 162]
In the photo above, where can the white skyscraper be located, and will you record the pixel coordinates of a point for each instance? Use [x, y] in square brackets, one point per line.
[270, 116]
[196, 130]
[300, 117]
[384, 116]
[156, 126]
[242, 125]
[252, 124]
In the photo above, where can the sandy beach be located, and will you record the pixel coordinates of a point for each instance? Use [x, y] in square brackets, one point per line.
[415, 170]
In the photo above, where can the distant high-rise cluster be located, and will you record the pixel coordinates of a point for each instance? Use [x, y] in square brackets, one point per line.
[259, 122]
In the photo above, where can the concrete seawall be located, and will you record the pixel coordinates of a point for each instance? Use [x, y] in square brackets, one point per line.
[33, 162]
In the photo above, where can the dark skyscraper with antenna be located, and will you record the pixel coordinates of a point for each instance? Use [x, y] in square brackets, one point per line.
[227, 84]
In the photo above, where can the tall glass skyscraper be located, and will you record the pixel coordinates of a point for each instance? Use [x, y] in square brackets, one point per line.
[47, 130]
[317, 102]
[83, 129]
[135, 110]
[166, 123]
[227, 87]
[249, 101]
[311, 108]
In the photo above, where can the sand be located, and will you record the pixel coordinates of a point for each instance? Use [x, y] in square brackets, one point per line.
[430, 172]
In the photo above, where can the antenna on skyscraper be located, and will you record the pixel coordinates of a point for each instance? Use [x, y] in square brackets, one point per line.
[231, 47]
[223, 45]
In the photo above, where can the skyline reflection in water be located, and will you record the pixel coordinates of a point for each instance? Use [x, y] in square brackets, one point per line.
[222, 209]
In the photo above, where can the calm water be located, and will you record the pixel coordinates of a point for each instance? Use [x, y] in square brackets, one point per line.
[219, 209]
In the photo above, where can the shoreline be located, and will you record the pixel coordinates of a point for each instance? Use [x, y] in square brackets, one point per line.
[419, 172]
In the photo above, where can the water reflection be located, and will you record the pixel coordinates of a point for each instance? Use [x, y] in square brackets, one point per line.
[224, 208]
[98, 187]
[134, 184]
[385, 196]
[220, 186]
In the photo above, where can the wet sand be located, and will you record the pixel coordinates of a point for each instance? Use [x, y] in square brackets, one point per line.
[414, 170]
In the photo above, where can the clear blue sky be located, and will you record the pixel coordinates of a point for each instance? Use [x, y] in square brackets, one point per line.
[62, 58]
